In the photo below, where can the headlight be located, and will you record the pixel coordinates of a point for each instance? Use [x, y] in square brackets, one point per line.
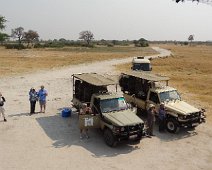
[118, 129]
[181, 116]
[122, 129]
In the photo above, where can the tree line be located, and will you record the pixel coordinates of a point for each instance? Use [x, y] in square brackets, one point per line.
[30, 39]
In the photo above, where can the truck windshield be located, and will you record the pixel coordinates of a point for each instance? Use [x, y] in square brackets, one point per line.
[169, 95]
[142, 66]
[116, 104]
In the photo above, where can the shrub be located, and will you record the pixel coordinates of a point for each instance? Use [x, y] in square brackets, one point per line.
[110, 45]
[14, 46]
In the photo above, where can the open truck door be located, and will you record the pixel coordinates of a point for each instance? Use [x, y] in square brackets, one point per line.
[89, 121]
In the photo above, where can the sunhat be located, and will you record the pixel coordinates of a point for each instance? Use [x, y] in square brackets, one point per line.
[151, 105]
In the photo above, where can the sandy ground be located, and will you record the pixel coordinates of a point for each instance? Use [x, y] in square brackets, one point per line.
[48, 141]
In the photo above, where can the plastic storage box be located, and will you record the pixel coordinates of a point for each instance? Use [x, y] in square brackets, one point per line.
[66, 112]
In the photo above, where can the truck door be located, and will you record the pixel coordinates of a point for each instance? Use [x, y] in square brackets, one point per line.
[154, 99]
[89, 121]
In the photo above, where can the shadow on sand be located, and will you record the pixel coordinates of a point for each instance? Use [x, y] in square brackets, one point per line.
[166, 136]
[182, 134]
[64, 132]
[21, 114]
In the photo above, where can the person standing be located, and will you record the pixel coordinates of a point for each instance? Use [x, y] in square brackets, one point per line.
[33, 97]
[150, 120]
[84, 110]
[162, 117]
[2, 110]
[42, 99]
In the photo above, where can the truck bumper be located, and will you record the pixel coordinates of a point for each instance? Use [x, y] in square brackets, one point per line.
[129, 136]
[193, 123]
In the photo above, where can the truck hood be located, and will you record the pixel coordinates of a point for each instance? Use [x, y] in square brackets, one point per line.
[123, 118]
[181, 107]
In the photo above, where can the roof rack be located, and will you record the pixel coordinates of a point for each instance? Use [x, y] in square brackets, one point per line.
[147, 76]
[95, 79]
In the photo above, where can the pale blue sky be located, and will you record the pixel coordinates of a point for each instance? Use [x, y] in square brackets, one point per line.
[110, 19]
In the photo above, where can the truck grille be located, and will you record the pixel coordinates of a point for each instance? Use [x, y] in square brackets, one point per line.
[193, 115]
[133, 128]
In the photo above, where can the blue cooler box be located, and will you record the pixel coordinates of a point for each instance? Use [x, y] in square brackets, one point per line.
[66, 112]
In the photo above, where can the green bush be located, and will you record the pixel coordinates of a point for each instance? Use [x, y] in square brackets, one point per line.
[185, 43]
[110, 45]
[14, 46]
[38, 45]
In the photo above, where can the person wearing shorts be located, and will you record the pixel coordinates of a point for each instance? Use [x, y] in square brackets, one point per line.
[42, 99]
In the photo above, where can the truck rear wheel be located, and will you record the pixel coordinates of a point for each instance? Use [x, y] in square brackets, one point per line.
[172, 125]
[109, 138]
[138, 138]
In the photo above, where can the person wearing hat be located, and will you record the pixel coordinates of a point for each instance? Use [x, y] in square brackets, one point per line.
[33, 97]
[162, 117]
[2, 110]
[150, 120]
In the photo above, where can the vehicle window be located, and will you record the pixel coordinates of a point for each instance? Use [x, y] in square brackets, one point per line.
[169, 95]
[109, 105]
[122, 104]
[141, 66]
[154, 97]
[96, 106]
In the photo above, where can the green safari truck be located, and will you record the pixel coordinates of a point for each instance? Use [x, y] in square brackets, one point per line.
[110, 111]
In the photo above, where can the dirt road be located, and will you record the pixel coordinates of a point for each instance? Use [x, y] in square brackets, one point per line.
[48, 141]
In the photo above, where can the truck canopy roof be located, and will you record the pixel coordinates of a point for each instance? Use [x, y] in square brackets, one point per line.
[147, 76]
[95, 79]
[108, 96]
[139, 61]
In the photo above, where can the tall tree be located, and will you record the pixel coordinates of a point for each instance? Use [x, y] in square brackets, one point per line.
[2, 22]
[87, 36]
[18, 33]
[3, 36]
[30, 37]
[191, 38]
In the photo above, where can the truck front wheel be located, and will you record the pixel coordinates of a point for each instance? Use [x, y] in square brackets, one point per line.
[109, 138]
[172, 125]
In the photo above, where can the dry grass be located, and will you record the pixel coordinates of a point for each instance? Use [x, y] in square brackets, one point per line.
[16, 62]
[190, 70]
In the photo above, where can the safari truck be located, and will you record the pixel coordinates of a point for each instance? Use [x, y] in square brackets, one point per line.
[141, 64]
[144, 88]
[110, 111]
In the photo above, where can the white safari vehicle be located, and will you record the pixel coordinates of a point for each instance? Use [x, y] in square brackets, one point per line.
[145, 88]
[141, 64]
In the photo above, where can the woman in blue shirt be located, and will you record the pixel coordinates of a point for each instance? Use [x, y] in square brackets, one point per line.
[33, 97]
